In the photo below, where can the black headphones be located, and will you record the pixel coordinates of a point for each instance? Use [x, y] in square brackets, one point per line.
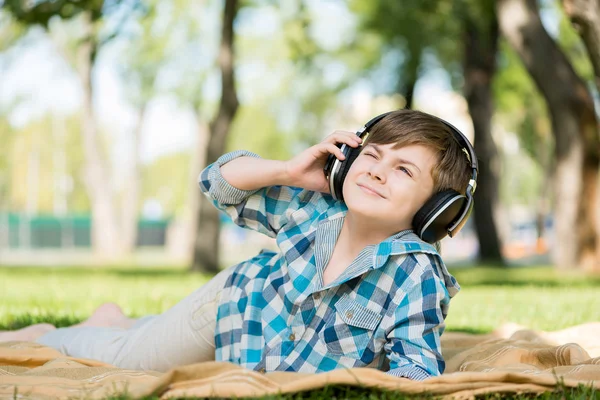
[445, 213]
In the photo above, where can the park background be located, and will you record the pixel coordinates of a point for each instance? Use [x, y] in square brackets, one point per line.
[110, 109]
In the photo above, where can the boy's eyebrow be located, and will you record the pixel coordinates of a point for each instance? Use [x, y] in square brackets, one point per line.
[401, 160]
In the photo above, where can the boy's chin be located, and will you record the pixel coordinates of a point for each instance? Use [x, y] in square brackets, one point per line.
[374, 215]
[362, 201]
[368, 212]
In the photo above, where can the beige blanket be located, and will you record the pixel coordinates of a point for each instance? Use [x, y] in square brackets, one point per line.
[510, 359]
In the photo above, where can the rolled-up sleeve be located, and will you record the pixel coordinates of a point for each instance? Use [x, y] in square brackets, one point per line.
[213, 184]
[264, 210]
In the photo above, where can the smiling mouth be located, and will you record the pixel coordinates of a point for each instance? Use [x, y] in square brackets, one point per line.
[370, 191]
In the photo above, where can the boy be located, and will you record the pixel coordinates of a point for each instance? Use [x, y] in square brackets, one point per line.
[351, 284]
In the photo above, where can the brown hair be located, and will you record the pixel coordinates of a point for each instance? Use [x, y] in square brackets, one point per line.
[411, 127]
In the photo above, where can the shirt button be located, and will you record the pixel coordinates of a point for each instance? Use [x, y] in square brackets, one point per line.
[262, 370]
[317, 296]
[349, 314]
[292, 337]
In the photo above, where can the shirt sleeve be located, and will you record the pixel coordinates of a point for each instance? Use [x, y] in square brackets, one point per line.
[264, 210]
[413, 344]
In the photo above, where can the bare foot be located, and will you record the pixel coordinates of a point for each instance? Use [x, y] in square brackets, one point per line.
[108, 315]
[27, 334]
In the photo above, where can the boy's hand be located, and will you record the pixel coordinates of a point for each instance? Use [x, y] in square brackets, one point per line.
[306, 169]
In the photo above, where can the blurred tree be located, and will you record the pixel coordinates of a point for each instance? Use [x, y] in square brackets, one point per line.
[206, 255]
[89, 15]
[142, 60]
[6, 138]
[169, 57]
[408, 30]
[10, 34]
[191, 76]
[574, 127]
[257, 131]
[10, 31]
[166, 179]
[480, 52]
[310, 83]
[521, 109]
[585, 17]
[33, 174]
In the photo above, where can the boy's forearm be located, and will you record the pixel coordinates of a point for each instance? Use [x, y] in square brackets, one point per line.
[250, 173]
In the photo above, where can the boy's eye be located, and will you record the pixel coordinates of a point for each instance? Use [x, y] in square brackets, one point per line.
[406, 171]
[370, 154]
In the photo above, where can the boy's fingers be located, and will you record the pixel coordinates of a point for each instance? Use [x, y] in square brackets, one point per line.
[349, 138]
[333, 149]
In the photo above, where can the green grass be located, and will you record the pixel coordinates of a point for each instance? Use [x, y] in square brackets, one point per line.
[64, 296]
[539, 298]
[536, 297]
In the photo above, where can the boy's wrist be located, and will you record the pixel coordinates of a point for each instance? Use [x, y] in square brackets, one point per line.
[278, 173]
[284, 176]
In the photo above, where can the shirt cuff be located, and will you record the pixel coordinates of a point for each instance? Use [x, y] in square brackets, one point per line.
[409, 371]
[221, 190]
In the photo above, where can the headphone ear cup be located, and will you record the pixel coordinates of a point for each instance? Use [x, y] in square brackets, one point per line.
[432, 220]
[351, 153]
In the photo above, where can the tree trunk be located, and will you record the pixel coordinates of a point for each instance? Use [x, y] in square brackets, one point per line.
[190, 220]
[206, 253]
[408, 91]
[410, 73]
[585, 17]
[481, 45]
[105, 235]
[574, 128]
[129, 220]
[544, 155]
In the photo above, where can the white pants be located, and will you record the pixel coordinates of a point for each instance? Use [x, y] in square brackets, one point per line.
[182, 335]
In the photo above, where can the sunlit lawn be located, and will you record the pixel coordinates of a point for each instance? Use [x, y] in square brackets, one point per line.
[536, 297]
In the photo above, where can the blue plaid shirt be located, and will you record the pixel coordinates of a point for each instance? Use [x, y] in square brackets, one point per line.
[385, 311]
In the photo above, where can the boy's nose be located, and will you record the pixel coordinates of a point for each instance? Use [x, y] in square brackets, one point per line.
[376, 172]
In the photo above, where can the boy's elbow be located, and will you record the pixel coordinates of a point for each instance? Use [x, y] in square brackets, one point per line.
[410, 371]
[203, 180]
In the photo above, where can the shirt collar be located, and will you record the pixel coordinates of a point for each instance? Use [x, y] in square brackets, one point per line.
[403, 242]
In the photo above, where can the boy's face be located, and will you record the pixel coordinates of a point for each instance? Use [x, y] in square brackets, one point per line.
[388, 186]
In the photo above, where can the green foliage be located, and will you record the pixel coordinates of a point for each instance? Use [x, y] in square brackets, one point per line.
[40, 12]
[301, 46]
[184, 34]
[522, 180]
[571, 43]
[520, 106]
[143, 56]
[6, 138]
[38, 143]
[10, 30]
[256, 130]
[294, 84]
[521, 109]
[168, 180]
[415, 28]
